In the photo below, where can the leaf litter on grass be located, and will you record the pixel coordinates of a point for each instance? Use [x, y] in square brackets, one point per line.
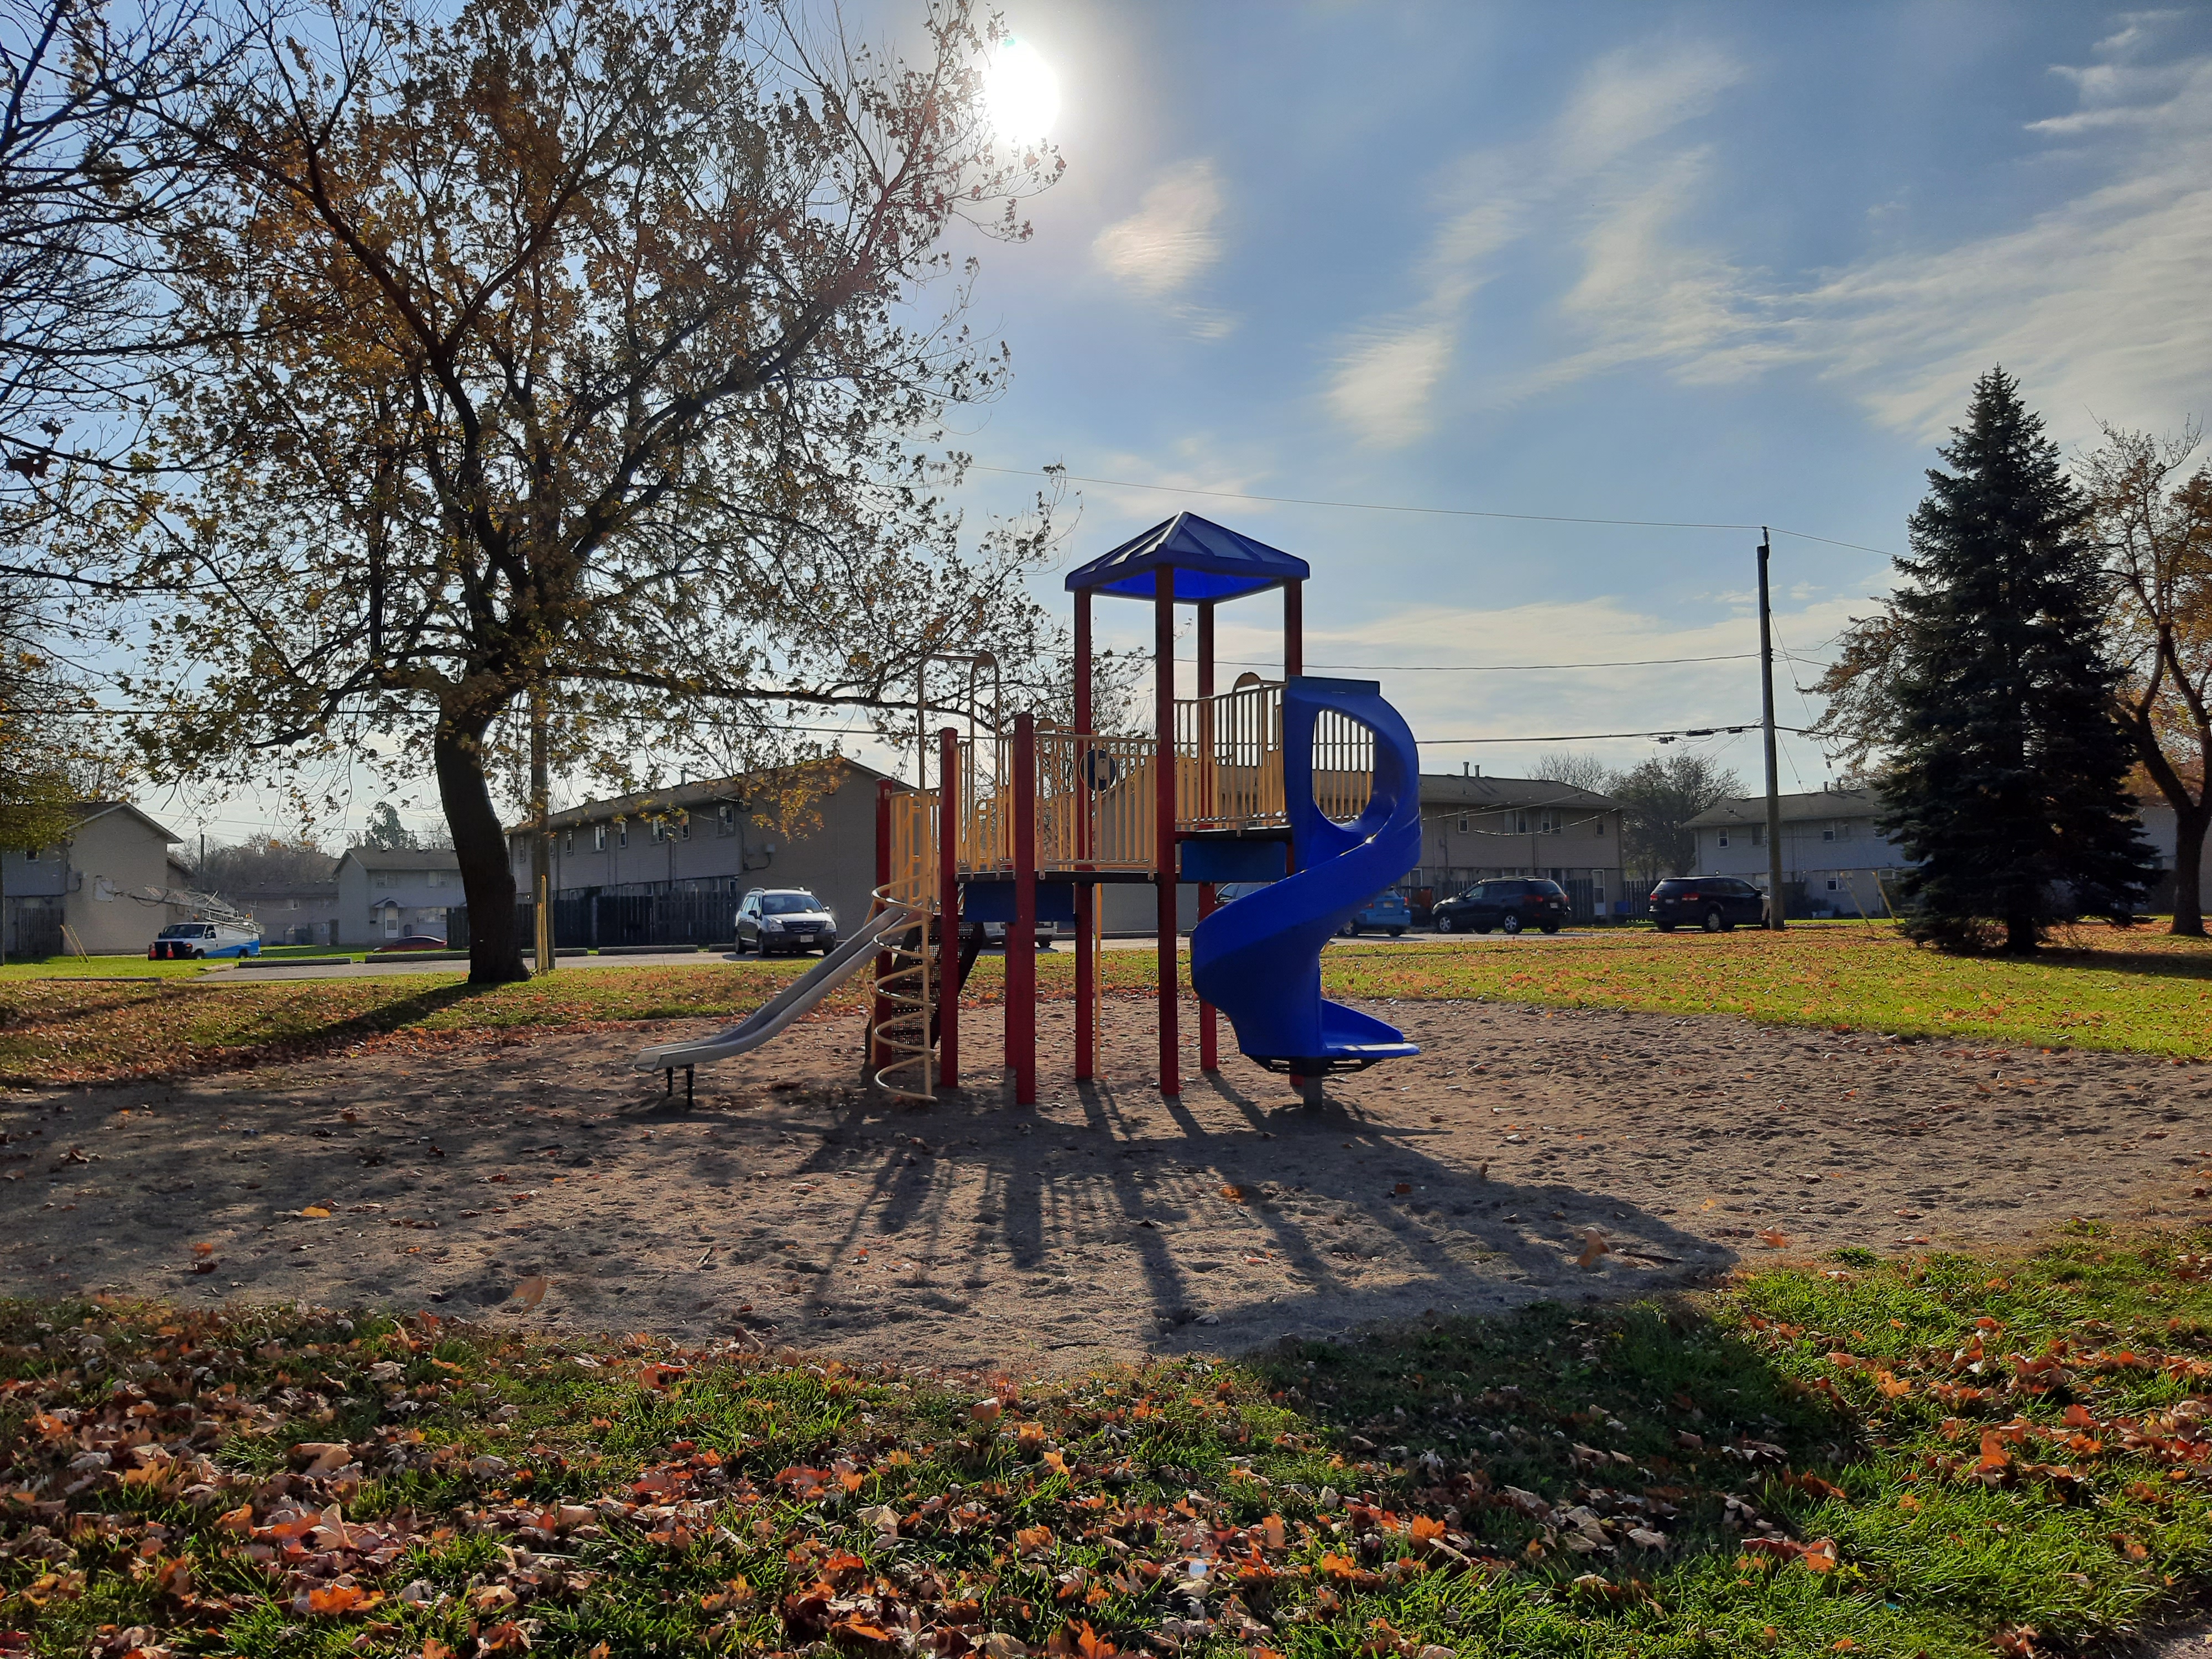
[1933, 1454]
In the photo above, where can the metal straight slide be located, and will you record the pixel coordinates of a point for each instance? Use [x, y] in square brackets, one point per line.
[788, 1004]
[1258, 958]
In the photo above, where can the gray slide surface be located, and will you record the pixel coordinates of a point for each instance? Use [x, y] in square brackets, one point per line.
[788, 1004]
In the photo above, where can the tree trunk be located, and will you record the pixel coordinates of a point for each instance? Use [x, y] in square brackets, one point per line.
[480, 848]
[2189, 830]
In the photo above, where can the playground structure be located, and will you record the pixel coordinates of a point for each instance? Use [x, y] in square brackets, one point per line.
[1309, 785]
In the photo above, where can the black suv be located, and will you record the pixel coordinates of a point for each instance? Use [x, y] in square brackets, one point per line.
[1715, 903]
[1508, 906]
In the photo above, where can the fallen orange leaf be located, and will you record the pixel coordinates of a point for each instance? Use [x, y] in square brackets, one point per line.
[530, 1291]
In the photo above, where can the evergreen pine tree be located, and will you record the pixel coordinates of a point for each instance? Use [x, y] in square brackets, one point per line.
[2006, 780]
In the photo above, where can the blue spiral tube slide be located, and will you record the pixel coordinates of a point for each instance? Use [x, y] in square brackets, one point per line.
[1258, 958]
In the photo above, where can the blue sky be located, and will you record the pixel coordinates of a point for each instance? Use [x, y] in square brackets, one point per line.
[1699, 263]
[1705, 263]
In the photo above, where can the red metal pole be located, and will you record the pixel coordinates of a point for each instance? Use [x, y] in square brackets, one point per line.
[1086, 894]
[1087, 969]
[1083, 659]
[948, 908]
[1021, 936]
[1209, 1042]
[1164, 831]
[881, 1008]
[1294, 664]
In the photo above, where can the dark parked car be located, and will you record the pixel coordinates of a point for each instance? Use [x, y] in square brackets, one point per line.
[409, 942]
[787, 920]
[1507, 906]
[1715, 903]
[992, 935]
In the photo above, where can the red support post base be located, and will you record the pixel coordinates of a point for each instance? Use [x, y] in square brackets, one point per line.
[1163, 806]
[1021, 935]
[1086, 983]
[948, 909]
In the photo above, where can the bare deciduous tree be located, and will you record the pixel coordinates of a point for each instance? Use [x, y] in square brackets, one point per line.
[577, 347]
[2153, 520]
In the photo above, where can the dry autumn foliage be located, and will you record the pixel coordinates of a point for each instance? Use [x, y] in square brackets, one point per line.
[588, 359]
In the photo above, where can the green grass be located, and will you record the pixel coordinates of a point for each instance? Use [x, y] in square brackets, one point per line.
[2097, 988]
[1930, 1456]
[2104, 989]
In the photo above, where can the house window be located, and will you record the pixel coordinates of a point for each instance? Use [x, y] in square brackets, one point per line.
[1828, 834]
[1548, 823]
[726, 820]
[1724, 838]
[683, 826]
[30, 855]
[1759, 835]
[434, 878]
[659, 830]
[1520, 824]
[599, 838]
[621, 832]
[571, 847]
[1462, 824]
[1600, 826]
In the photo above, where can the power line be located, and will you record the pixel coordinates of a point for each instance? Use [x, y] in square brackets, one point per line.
[1428, 512]
[1596, 736]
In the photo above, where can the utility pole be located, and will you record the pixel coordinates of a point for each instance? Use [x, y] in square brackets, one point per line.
[541, 841]
[1774, 917]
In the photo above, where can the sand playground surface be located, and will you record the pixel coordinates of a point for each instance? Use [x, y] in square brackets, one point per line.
[1104, 1224]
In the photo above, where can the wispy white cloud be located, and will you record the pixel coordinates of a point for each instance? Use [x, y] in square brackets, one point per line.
[1171, 241]
[1630, 98]
[1383, 382]
[2095, 302]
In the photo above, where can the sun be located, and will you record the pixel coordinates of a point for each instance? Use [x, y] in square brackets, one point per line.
[1021, 94]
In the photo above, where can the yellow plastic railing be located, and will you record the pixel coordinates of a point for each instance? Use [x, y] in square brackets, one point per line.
[1096, 804]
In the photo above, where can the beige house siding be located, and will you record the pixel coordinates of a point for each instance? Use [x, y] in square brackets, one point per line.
[700, 836]
[1473, 829]
[97, 880]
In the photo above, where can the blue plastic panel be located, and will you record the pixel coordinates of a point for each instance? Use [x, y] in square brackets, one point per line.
[1210, 562]
[994, 901]
[1236, 860]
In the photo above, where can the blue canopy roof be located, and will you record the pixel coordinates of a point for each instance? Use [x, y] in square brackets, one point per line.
[1210, 562]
